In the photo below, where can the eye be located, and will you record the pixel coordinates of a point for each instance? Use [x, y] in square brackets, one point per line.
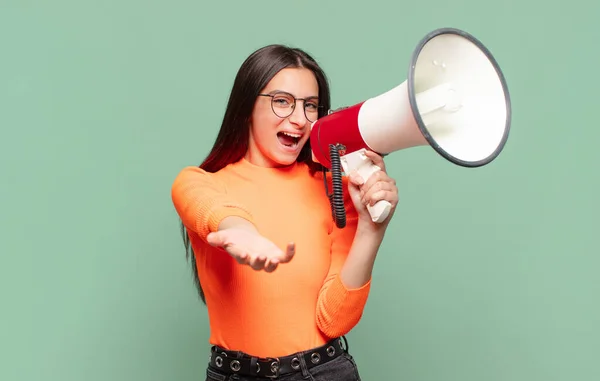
[312, 106]
[282, 100]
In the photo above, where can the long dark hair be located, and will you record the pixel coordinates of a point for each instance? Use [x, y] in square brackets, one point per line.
[231, 143]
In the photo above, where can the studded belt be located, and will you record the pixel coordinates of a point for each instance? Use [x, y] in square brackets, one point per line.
[234, 362]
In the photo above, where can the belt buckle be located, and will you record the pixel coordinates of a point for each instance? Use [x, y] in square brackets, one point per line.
[275, 364]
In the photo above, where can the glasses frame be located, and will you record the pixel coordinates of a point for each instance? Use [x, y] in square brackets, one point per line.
[273, 95]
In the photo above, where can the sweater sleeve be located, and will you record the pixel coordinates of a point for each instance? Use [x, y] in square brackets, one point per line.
[202, 202]
[340, 308]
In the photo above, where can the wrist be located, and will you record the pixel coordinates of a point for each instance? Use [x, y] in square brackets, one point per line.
[370, 229]
[235, 222]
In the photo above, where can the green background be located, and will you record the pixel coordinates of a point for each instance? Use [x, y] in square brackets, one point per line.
[486, 274]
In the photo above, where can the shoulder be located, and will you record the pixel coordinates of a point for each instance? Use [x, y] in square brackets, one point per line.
[192, 173]
[198, 172]
[194, 177]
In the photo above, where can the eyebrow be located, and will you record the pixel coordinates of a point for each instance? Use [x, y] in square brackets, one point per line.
[288, 93]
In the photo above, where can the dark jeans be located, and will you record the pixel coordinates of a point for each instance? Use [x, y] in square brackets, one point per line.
[342, 368]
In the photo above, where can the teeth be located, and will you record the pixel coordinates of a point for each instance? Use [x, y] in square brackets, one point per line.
[292, 135]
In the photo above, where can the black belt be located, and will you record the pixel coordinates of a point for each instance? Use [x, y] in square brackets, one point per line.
[235, 362]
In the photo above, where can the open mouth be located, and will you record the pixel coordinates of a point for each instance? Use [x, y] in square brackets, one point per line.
[288, 139]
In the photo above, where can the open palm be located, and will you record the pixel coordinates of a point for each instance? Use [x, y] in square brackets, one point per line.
[250, 248]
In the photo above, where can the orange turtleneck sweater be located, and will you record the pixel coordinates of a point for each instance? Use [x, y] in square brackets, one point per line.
[304, 302]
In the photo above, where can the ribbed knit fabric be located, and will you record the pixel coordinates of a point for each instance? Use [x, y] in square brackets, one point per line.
[304, 302]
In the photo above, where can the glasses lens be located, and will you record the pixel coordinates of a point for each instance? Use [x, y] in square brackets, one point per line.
[311, 109]
[283, 105]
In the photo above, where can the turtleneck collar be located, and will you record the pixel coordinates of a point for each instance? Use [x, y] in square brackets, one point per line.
[247, 169]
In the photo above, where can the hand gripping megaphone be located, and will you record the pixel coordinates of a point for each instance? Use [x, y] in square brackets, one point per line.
[455, 100]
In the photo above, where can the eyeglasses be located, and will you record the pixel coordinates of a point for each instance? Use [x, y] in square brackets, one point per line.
[283, 105]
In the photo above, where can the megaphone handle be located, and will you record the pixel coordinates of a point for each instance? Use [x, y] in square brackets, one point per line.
[359, 162]
[380, 211]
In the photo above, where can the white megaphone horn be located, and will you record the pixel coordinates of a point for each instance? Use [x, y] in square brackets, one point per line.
[455, 100]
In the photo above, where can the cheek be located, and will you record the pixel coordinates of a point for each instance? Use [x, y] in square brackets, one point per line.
[263, 115]
[266, 122]
[264, 126]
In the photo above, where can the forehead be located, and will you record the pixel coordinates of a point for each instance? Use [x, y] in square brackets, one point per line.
[300, 82]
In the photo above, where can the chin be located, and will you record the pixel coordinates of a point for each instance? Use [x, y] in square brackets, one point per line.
[285, 160]
[284, 157]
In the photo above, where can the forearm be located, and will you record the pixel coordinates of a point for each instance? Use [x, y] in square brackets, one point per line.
[347, 286]
[358, 267]
[346, 289]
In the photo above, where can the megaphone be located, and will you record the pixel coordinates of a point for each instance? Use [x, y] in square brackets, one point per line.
[455, 100]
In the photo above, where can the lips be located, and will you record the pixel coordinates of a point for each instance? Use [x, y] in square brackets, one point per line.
[289, 139]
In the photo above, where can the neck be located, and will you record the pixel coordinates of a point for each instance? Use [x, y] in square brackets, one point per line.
[266, 166]
[261, 161]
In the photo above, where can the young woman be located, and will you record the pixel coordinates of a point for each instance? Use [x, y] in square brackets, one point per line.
[283, 285]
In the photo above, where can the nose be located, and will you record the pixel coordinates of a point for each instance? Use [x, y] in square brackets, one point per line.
[297, 117]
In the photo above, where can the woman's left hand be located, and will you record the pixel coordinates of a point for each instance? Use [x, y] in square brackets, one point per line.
[380, 186]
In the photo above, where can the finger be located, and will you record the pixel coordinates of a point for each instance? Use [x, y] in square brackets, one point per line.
[379, 176]
[242, 260]
[289, 253]
[369, 189]
[239, 255]
[390, 196]
[271, 265]
[376, 159]
[258, 263]
[356, 179]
